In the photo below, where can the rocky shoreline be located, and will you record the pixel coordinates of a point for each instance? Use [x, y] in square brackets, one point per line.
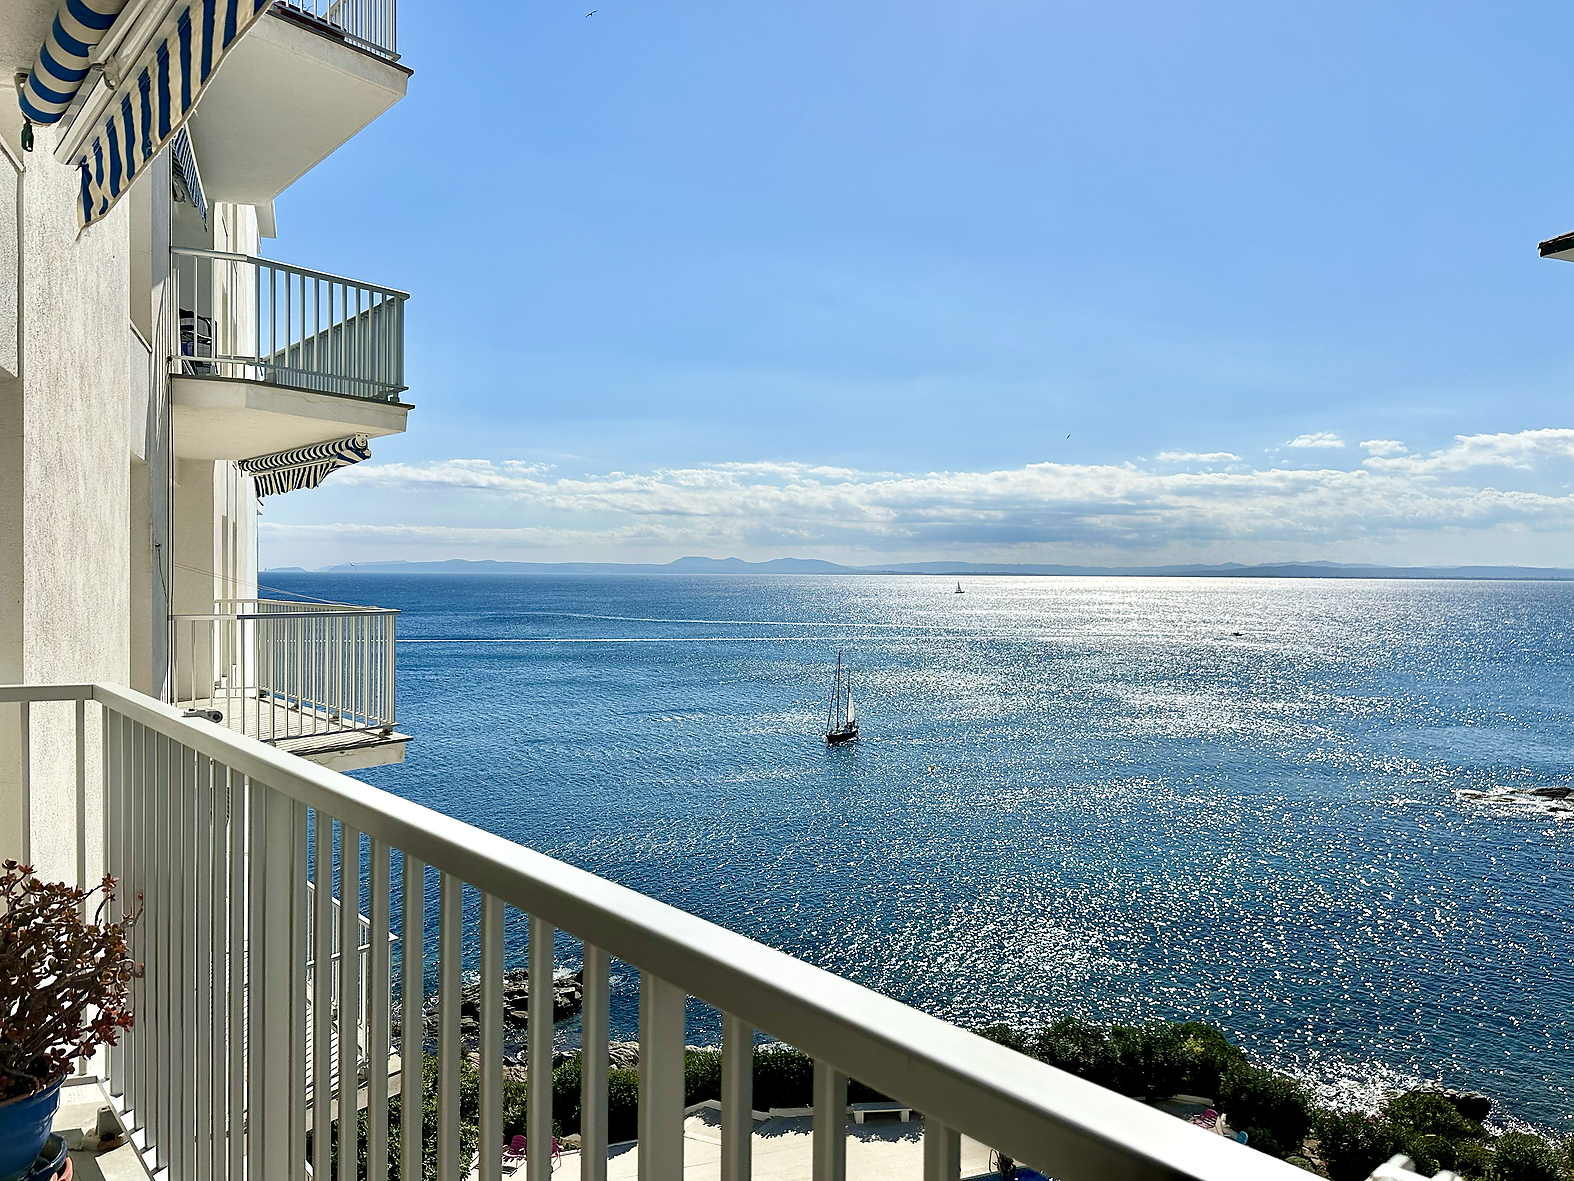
[568, 997]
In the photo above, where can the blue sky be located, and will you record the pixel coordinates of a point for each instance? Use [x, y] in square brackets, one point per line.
[1018, 281]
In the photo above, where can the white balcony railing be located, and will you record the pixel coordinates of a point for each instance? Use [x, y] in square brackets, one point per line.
[231, 845]
[371, 25]
[261, 320]
[279, 670]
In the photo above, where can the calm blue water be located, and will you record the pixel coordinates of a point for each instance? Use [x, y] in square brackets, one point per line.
[1072, 795]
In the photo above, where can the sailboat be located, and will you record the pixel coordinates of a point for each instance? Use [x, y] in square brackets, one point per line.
[958, 588]
[841, 722]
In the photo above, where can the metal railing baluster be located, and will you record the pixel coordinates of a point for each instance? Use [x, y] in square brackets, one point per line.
[661, 1038]
[203, 967]
[942, 1152]
[24, 764]
[322, 993]
[81, 800]
[412, 1018]
[377, 999]
[830, 1123]
[300, 860]
[737, 1099]
[490, 1153]
[349, 999]
[449, 1048]
[538, 1133]
[594, 1030]
[115, 861]
[239, 1050]
[218, 942]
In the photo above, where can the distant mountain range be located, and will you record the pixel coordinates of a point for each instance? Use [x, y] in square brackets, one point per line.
[814, 566]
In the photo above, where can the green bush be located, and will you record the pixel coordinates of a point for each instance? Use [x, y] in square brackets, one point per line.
[782, 1078]
[1078, 1048]
[1206, 1055]
[622, 1105]
[1273, 1109]
[1431, 1153]
[701, 1076]
[1431, 1114]
[1472, 1159]
[1518, 1157]
[1352, 1144]
[1147, 1060]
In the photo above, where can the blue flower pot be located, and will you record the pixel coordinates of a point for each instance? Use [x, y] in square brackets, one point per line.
[24, 1126]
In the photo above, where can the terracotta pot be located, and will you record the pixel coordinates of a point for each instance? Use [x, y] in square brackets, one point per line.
[24, 1126]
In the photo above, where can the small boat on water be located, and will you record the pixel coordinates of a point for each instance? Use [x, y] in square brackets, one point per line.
[958, 589]
[841, 722]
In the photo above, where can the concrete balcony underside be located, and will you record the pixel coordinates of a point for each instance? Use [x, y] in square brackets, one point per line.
[290, 93]
[232, 418]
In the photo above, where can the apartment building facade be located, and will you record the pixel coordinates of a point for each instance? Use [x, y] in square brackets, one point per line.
[156, 373]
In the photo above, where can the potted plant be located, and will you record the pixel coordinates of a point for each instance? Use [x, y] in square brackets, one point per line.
[63, 984]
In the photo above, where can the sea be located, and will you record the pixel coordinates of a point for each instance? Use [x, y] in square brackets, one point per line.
[1318, 813]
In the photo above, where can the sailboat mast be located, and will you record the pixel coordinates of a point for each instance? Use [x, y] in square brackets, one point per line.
[836, 692]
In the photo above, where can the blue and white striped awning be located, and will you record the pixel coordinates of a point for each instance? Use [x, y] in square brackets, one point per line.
[62, 60]
[157, 95]
[304, 467]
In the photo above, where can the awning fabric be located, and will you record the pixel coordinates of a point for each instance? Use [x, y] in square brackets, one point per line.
[183, 164]
[304, 467]
[62, 60]
[157, 96]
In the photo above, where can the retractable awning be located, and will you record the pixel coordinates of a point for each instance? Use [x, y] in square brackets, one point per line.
[304, 467]
[62, 60]
[157, 95]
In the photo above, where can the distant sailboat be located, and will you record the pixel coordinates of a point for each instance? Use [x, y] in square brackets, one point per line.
[841, 722]
[958, 588]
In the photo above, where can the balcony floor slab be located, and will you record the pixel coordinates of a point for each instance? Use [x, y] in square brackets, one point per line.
[231, 418]
[311, 734]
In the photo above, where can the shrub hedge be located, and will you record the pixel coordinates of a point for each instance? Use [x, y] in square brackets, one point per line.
[1145, 1062]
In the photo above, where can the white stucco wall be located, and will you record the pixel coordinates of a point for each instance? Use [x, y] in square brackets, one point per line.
[65, 541]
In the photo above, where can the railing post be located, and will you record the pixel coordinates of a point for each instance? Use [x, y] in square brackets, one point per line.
[830, 1123]
[737, 1098]
[273, 1120]
[594, 1019]
[489, 1163]
[412, 1018]
[661, 1037]
[539, 1133]
[942, 1152]
[449, 1047]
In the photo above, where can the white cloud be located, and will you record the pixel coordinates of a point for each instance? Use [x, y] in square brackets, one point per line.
[1385, 447]
[1319, 439]
[1021, 512]
[1522, 450]
[1198, 457]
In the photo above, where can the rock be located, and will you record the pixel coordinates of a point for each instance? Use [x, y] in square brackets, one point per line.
[568, 997]
[1473, 1105]
[1552, 793]
[623, 1055]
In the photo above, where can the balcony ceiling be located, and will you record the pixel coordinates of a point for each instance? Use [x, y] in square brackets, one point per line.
[285, 98]
[22, 31]
[223, 418]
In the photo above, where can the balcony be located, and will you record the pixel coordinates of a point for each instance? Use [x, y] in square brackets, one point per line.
[305, 79]
[232, 846]
[272, 356]
[315, 680]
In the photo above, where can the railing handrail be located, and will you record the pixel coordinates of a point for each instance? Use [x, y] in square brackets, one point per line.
[1032, 1111]
[303, 611]
[310, 273]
